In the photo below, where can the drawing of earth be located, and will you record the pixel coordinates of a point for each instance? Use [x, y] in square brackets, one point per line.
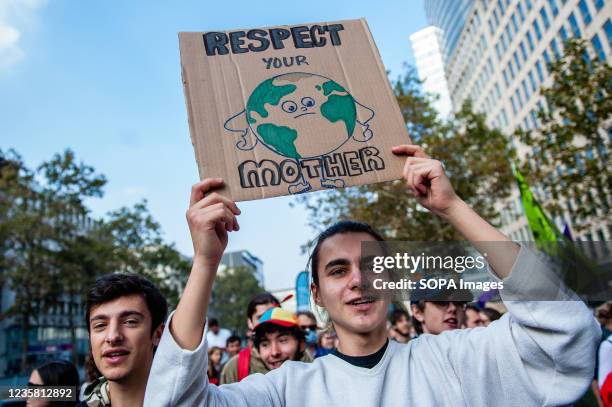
[284, 111]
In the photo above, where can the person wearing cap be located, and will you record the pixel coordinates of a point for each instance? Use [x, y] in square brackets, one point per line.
[436, 311]
[540, 353]
[278, 338]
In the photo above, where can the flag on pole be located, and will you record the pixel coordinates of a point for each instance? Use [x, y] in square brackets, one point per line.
[542, 228]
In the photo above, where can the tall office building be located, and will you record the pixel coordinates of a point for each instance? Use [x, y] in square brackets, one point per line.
[427, 45]
[496, 55]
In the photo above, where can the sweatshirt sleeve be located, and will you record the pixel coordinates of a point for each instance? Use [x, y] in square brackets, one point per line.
[539, 353]
[178, 378]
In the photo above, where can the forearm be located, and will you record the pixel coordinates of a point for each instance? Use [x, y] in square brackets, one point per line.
[481, 234]
[187, 324]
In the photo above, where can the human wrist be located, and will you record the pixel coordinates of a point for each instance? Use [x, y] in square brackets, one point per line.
[205, 263]
[455, 210]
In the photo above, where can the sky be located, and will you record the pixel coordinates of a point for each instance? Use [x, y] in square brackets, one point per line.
[103, 79]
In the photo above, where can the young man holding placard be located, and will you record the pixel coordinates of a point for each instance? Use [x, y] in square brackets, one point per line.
[539, 353]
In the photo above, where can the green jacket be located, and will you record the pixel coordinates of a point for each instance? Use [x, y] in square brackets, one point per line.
[229, 374]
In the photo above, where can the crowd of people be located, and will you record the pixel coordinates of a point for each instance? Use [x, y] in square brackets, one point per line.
[437, 353]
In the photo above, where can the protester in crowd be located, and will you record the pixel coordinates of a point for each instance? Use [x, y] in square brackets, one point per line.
[248, 360]
[214, 365]
[232, 346]
[308, 324]
[278, 338]
[216, 335]
[488, 315]
[54, 373]
[604, 354]
[326, 343]
[401, 329]
[472, 316]
[436, 316]
[125, 316]
[540, 353]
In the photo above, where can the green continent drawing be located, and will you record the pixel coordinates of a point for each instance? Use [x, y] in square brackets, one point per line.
[283, 112]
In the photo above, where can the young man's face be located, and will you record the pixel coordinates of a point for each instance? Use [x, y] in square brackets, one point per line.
[342, 284]
[472, 318]
[233, 348]
[259, 311]
[278, 347]
[437, 317]
[403, 325]
[120, 337]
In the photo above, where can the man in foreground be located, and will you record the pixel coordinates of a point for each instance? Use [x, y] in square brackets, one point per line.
[539, 353]
[125, 318]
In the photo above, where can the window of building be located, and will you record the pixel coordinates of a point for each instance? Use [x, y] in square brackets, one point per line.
[496, 18]
[526, 122]
[598, 4]
[521, 13]
[608, 29]
[546, 59]
[491, 28]
[553, 7]
[528, 3]
[517, 62]
[511, 69]
[498, 51]
[504, 117]
[530, 40]
[540, 71]
[545, 19]
[574, 25]
[518, 97]
[525, 90]
[534, 86]
[514, 110]
[501, 6]
[536, 28]
[597, 46]
[534, 118]
[523, 51]
[584, 10]
[563, 34]
[506, 81]
[555, 49]
[515, 23]
[497, 91]
[509, 33]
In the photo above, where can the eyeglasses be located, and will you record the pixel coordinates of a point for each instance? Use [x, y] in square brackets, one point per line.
[308, 327]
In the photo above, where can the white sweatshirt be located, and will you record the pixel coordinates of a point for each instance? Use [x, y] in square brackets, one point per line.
[541, 353]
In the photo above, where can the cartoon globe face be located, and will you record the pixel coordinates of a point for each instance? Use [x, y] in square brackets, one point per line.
[283, 112]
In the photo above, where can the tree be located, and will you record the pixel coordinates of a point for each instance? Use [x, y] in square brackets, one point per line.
[475, 156]
[42, 211]
[232, 293]
[53, 250]
[567, 159]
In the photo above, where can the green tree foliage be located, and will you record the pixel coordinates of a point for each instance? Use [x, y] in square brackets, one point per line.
[52, 250]
[475, 156]
[567, 159]
[232, 293]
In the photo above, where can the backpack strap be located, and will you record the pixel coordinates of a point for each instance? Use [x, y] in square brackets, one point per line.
[244, 360]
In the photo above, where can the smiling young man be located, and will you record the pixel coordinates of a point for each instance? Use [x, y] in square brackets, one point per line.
[125, 319]
[540, 353]
[278, 338]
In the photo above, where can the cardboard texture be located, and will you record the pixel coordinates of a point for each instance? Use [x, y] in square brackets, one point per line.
[290, 109]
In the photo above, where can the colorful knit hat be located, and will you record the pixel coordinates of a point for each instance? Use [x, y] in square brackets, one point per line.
[278, 316]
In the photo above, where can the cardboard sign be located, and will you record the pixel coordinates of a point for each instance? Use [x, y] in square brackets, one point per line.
[291, 109]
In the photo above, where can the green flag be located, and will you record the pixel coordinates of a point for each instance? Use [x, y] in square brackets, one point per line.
[542, 228]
